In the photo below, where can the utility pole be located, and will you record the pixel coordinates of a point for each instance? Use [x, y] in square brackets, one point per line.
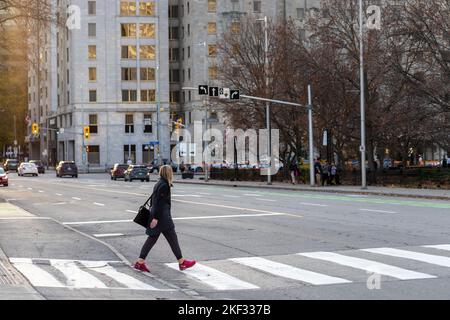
[158, 92]
[311, 139]
[362, 92]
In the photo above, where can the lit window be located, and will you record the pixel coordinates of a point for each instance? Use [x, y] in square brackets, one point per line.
[212, 5]
[129, 52]
[148, 95]
[147, 8]
[147, 30]
[147, 52]
[212, 50]
[92, 52]
[128, 30]
[128, 8]
[92, 74]
[212, 28]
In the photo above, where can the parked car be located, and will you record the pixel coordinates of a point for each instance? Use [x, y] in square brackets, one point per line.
[195, 168]
[11, 165]
[3, 178]
[154, 167]
[136, 172]
[39, 165]
[67, 168]
[118, 171]
[27, 168]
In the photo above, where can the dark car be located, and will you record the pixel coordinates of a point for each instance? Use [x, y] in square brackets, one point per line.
[11, 165]
[135, 172]
[118, 171]
[154, 166]
[39, 165]
[67, 168]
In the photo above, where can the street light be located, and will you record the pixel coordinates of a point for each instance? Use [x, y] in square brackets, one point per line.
[266, 68]
[363, 117]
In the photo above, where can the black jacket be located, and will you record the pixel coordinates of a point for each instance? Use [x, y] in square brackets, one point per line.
[160, 210]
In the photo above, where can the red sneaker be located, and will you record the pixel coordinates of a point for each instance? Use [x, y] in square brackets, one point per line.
[187, 264]
[141, 267]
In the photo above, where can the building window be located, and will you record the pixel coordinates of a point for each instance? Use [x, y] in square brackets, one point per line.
[147, 74]
[92, 52]
[148, 126]
[212, 28]
[300, 13]
[92, 30]
[174, 75]
[129, 153]
[92, 8]
[93, 125]
[212, 5]
[174, 54]
[129, 123]
[129, 74]
[129, 95]
[173, 33]
[129, 52]
[174, 96]
[128, 8]
[147, 153]
[147, 30]
[173, 12]
[257, 6]
[212, 73]
[148, 95]
[94, 155]
[128, 30]
[235, 27]
[212, 50]
[93, 74]
[92, 95]
[147, 8]
[147, 52]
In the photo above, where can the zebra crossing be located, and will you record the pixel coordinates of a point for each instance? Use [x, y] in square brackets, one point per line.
[248, 273]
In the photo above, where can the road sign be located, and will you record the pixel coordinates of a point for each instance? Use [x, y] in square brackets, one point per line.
[213, 91]
[224, 93]
[203, 90]
[325, 138]
[234, 94]
[154, 143]
[362, 148]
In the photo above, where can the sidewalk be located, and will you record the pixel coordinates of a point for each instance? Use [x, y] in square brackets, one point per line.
[432, 194]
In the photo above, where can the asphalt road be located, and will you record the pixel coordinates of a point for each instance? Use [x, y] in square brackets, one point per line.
[250, 243]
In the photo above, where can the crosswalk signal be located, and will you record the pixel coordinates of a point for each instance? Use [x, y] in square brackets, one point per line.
[35, 129]
[87, 132]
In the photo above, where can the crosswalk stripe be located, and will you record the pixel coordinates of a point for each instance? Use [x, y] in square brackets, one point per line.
[120, 277]
[423, 257]
[215, 278]
[36, 275]
[289, 272]
[440, 247]
[368, 265]
[76, 277]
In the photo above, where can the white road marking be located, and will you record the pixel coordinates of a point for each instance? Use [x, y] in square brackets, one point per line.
[229, 196]
[286, 271]
[106, 235]
[37, 276]
[181, 218]
[268, 200]
[252, 195]
[368, 265]
[204, 193]
[131, 211]
[58, 194]
[440, 247]
[99, 204]
[313, 204]
[59, 203]
[423, 257]
[11, 200]
[76, 277]
[40, 191]
[75, 198]
[30, 188]
[187, 195]
[378, 211]
[214, 278]
[120, 277]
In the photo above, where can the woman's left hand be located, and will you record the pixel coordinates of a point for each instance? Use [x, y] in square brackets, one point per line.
[153, 223]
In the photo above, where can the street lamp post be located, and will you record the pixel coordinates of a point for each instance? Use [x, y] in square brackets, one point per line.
[362, 93]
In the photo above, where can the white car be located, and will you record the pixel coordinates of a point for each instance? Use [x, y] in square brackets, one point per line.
[27, 168]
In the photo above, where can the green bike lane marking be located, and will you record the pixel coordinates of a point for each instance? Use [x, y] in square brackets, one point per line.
[411, 203]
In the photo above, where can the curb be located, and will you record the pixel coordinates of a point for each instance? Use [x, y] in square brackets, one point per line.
[376, 193]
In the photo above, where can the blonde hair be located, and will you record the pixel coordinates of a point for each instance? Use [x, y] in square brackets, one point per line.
[166, 172]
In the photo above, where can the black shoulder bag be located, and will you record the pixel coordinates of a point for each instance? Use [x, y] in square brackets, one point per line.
[143, 216]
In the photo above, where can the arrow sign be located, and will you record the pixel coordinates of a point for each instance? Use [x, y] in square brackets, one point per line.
[234, 94]
[213, 91]
[224, 93]
[203, 90]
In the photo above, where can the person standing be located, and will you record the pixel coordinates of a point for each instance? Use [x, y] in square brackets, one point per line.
[333, 172]
[293, 171]
[161, 222]
[318, 171]
[325, 174]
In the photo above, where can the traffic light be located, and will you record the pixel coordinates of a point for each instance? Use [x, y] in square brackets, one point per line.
[87, 132]
[35, 129]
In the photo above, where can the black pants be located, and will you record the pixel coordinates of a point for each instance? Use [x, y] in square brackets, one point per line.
[171, 237]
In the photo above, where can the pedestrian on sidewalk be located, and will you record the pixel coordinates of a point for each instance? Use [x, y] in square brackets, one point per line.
[325, 174]
[293, 170]
[318, 171]
[161, 222]
[333, 172]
